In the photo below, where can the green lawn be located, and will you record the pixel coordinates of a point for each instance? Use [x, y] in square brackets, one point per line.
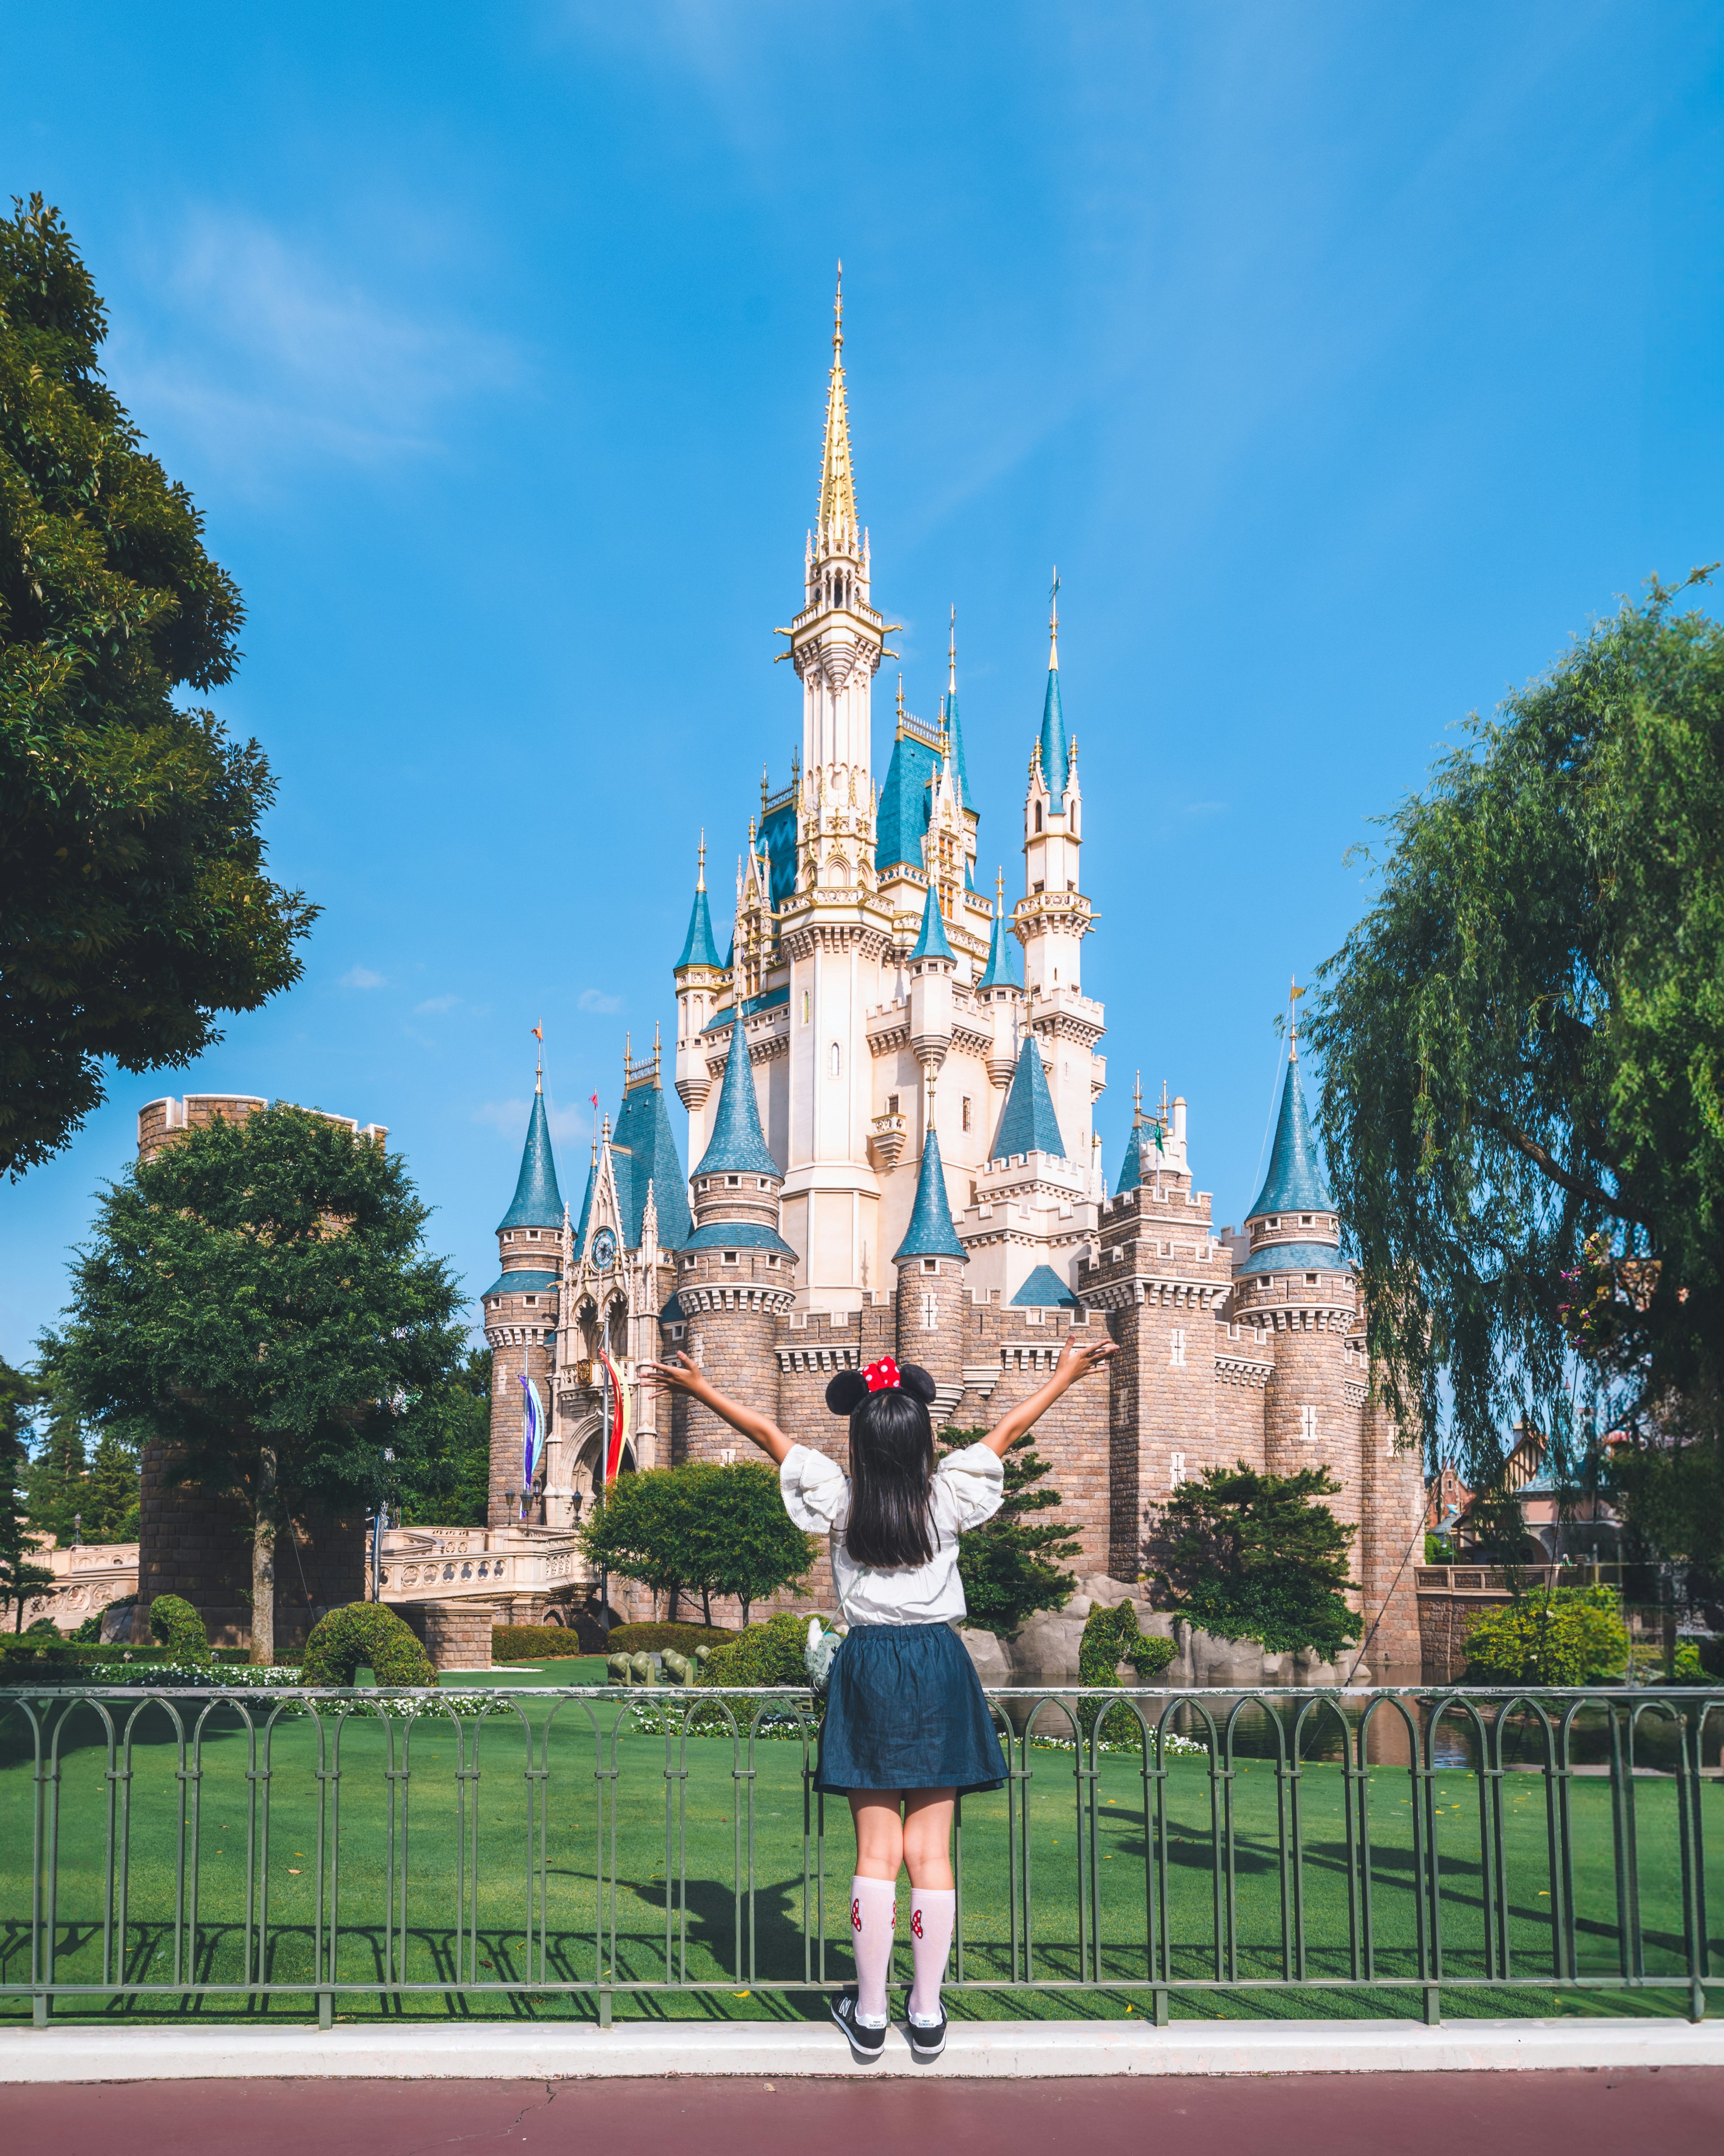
[460, 1926]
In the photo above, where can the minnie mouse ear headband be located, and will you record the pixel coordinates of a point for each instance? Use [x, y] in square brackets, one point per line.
[850, 1387]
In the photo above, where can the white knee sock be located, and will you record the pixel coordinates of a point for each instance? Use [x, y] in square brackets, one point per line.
[874, 1912]
[932, 1915]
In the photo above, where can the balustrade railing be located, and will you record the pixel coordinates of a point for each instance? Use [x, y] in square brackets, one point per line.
[180, 1849]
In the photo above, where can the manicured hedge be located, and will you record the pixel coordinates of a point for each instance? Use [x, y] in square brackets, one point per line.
[535, 1643]
[365, 1634]
[655, 1639]
[68, 1654]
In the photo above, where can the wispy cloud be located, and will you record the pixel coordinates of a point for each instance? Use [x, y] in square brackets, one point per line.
[508, 1118]
[266, 353]
[596, 1000]
[438, 1004]
[362, 977]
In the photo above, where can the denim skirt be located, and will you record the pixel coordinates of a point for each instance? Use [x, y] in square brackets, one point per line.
[904, 1710]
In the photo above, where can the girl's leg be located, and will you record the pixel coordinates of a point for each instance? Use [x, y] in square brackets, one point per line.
[933, 1899]
[874, 1897]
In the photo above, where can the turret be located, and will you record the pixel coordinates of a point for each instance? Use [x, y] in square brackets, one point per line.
[1297, 1290]
[1053, 916]
[930, 1263]
[735, 1273]
[1000, 991]
[520, 1311]
[700, 974]
[1028, 1123]
[932, 968]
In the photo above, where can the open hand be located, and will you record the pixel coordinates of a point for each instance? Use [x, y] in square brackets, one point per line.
[677, 1372]
[1078, 1358]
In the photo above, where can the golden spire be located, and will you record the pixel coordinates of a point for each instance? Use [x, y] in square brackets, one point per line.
[901, 704]
[700, 872]
[1053, 625]
[1138, 1117]
[1294, 992]
[951, 658]
[837, 529]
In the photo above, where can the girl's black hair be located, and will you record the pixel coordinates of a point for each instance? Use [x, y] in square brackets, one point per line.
[891, 1469]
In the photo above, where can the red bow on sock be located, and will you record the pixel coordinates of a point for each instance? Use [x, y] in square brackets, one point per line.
[883, 1375]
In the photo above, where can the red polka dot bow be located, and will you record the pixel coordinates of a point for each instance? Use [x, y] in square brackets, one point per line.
[883, 1375]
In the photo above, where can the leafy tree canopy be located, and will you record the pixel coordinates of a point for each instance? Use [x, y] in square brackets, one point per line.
[133, 904]
[1253, 1556]
[20, 1395]
[256, 1295]
[1523, 1057]
[700, 1528]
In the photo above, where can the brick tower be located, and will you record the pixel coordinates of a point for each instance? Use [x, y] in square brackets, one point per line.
[932, 1305]
[521, 1315]
[735, 1273]
[1161, 1278]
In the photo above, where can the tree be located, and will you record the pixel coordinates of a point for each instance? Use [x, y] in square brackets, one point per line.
[133, 907]
[112, 1493]
[54, 1480]
[644, 1529]
[445, 1481]
[256, 1296]
[19, 1580]
[1523, 1062]
[1252, 1556]
[745, 1543]
[1010, 1569]
[701, 1527]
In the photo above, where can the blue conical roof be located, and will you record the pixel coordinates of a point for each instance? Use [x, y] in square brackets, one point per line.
[1044, 1290]
[931, 1234]
[932, 944]
[699, 949]
[955, 741]
[1294, 1182]
[737, 1140]
[1001, 957]
[1132, 1167]
[644, 1153]
[1028, 1124]
[1055, 755]
[538, 1202]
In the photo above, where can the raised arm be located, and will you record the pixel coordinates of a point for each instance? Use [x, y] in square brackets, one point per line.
[1075, 1360]
[681, 1375]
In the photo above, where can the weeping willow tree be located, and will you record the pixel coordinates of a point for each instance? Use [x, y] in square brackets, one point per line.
[1523, 1074]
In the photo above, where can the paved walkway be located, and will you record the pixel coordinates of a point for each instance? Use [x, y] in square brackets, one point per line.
[778, 2050]
[1534, 2113]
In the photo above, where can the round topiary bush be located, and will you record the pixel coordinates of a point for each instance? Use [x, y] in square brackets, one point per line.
[179, 1628]
[769, 1653]
[365, 1635]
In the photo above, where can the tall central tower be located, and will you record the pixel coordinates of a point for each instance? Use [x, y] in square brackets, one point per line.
[834, 934]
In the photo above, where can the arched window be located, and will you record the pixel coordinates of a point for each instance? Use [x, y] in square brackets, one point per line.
[1038, 816]
[834, 1061]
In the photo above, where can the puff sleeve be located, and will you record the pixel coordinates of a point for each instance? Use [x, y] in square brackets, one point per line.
[815, 1489]
[975, 1483]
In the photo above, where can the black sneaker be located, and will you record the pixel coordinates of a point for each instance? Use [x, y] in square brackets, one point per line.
[866, 2045]
[927, 2041]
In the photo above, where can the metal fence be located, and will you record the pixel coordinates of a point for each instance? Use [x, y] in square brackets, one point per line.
[512, 1848]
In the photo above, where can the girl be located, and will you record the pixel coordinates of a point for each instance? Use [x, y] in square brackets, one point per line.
[907, 1729]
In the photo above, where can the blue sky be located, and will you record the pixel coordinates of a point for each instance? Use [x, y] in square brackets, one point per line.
[1347, 359]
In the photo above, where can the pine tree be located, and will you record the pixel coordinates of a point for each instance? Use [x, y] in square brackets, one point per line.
[54, 1482]
[111, 1493]
[19, 1578]
[1010, 1569]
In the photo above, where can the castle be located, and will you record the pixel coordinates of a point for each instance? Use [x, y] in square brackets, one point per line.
[890, 1081]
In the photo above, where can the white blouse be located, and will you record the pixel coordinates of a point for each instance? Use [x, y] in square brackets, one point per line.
[969, 1487]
